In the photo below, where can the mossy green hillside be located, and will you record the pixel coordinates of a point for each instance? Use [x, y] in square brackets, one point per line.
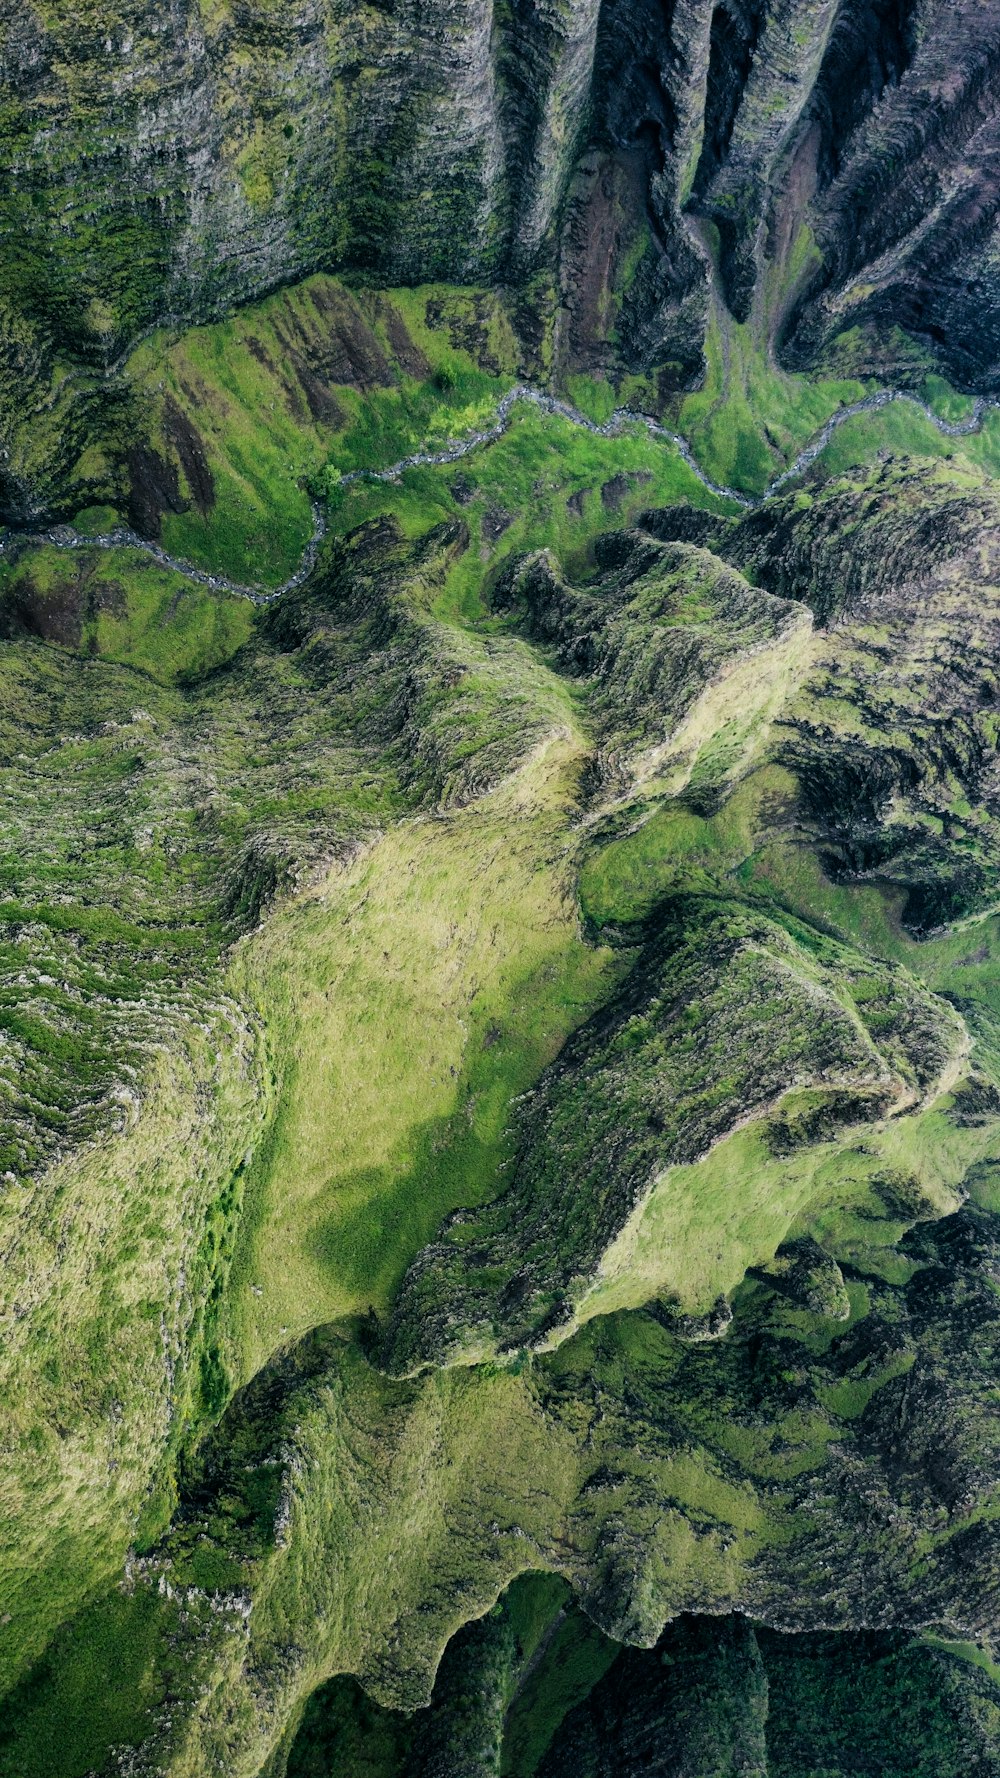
[859, 770]
[547, 484]
[624, 1187]
[900, 430]
[238, 417]
[655, 1475]
[120, 605]
[684, 663]
[344, 710]
[454, 872]
[627, 636]
[416, 991]
[117, 1008]
[239, 420]
[495, 688]
[750, 419]
[369, 763]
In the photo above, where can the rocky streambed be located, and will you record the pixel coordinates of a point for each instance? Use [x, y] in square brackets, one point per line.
[124, 537]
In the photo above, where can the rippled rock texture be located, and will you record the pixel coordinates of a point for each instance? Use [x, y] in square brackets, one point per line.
[837, 159]
[177, 159]
[499, 1031]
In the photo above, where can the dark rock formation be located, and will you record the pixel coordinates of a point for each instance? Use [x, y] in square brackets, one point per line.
[156, 166]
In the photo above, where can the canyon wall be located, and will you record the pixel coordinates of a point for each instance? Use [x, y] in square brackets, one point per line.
[168, 163]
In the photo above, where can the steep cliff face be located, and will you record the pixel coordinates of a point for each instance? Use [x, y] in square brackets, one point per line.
[183, 159]
[159, 163]
[176, 160]
[905, 137]
[595, 154]
[714, 1699]
[736, 1702]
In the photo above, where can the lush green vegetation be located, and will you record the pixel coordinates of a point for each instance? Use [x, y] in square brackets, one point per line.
[750, 419]
[545, 485]
[292, 391]
[423, 987]
[500, 854]
[119, 605]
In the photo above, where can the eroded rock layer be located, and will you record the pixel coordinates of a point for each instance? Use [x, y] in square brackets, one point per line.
[837, 159]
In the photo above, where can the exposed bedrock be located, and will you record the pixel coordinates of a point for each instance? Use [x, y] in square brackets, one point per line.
[899, 568]
[182, 163]
[926, 141]
[174, 164]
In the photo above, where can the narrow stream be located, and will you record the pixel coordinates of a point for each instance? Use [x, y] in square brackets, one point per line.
[121, 536]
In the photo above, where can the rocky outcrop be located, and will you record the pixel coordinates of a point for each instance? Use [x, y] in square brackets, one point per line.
[157, 166]
[181, 163]
[907, 109]
[898, 566]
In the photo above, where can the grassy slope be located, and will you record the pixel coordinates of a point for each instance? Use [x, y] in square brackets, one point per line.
[165, 632]
[705, 1225]
[268, 428]
[409, 998]
[118, 605]
[112, 1267]
[542, 483]
[742, 1189]
[574, 1657]
[410, 1146]
[750, 419]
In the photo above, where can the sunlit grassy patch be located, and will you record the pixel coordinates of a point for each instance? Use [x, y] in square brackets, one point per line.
[545, 484]
[313, 378]
[409, 1000]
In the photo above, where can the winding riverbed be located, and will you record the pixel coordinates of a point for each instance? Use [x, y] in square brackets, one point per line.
[121, 536]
